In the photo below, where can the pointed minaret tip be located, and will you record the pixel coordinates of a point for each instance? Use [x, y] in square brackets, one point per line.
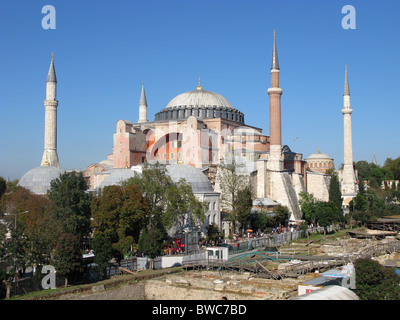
[346, 91]
[274, 62]
[143, 100]
[51, 76]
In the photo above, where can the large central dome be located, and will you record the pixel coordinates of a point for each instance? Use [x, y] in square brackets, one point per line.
[200, 103]
[199, 98]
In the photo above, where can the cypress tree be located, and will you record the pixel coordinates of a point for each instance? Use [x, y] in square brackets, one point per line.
[335, 195]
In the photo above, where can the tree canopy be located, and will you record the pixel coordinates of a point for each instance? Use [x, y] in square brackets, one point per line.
[119, 214]
[375, 282]
[169, 202]
[72, 202]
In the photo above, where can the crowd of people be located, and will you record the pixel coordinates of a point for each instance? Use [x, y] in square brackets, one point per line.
[174, 247]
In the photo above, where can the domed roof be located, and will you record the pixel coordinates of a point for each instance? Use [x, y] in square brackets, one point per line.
[199, 98]
[200, 103]
[192, 175]
[38, 179]
[319, 156]
[116, 176]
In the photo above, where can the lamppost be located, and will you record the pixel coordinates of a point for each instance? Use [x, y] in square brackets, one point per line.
[15, 215]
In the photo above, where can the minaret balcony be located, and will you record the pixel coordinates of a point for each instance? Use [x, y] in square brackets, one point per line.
[347, 110]
[274, 91]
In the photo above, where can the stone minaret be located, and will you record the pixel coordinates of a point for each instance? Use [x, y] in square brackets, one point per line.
[143, 107]
[348, 176]
[275, 113]
[50, 156]
[272, 181]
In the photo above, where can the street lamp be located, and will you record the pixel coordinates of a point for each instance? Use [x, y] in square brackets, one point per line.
[15, 215]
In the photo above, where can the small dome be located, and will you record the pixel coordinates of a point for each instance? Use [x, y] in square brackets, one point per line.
[38, 179]
[192, 175]
[199, 98]
[116, 176]
[319, 156]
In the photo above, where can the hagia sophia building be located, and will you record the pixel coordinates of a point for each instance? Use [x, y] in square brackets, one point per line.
[194, 136]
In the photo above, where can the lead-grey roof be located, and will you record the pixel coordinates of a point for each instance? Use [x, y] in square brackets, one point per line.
[199, 98]
[116, 176]
[194, 176]
[38, 179]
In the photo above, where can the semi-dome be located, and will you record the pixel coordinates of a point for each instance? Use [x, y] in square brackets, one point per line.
[38, 179]
[200, 103]
[116, 176]
[194, 176]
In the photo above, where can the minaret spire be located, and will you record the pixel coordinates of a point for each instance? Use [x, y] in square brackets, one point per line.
[274, 62]
[51, 76]
[143, 106]
[50, 156]
[346, 91]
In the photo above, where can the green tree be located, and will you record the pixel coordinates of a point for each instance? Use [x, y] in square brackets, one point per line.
[243, 205]
[3, 186]
[281, 214]
[212, 231]
[260, 220]
[364, 169]
[103, 252]
[35, 222]
[154, 183]
[68, 257]
[119, 214]
[374, 282]
[68, 192]
[326, 214]
[182, 205]
[335, 195]
[307, 205]
[15, 249]
[393, 166]
[232, 181]
[380, 175]
[151, 244]
[169, 202]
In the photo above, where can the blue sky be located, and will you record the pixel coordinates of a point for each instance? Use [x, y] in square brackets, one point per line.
[103, 50]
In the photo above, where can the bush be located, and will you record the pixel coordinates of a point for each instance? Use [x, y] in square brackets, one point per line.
[375, 282]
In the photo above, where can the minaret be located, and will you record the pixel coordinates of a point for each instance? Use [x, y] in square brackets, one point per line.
[374, 160]
[50, 156]
[143, 106]
[348, 176]
[275, 113]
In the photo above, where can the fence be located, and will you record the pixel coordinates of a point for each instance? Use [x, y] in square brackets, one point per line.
[273, 240]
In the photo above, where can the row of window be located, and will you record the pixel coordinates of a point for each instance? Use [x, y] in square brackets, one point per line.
[165, 156]
[321, 164]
